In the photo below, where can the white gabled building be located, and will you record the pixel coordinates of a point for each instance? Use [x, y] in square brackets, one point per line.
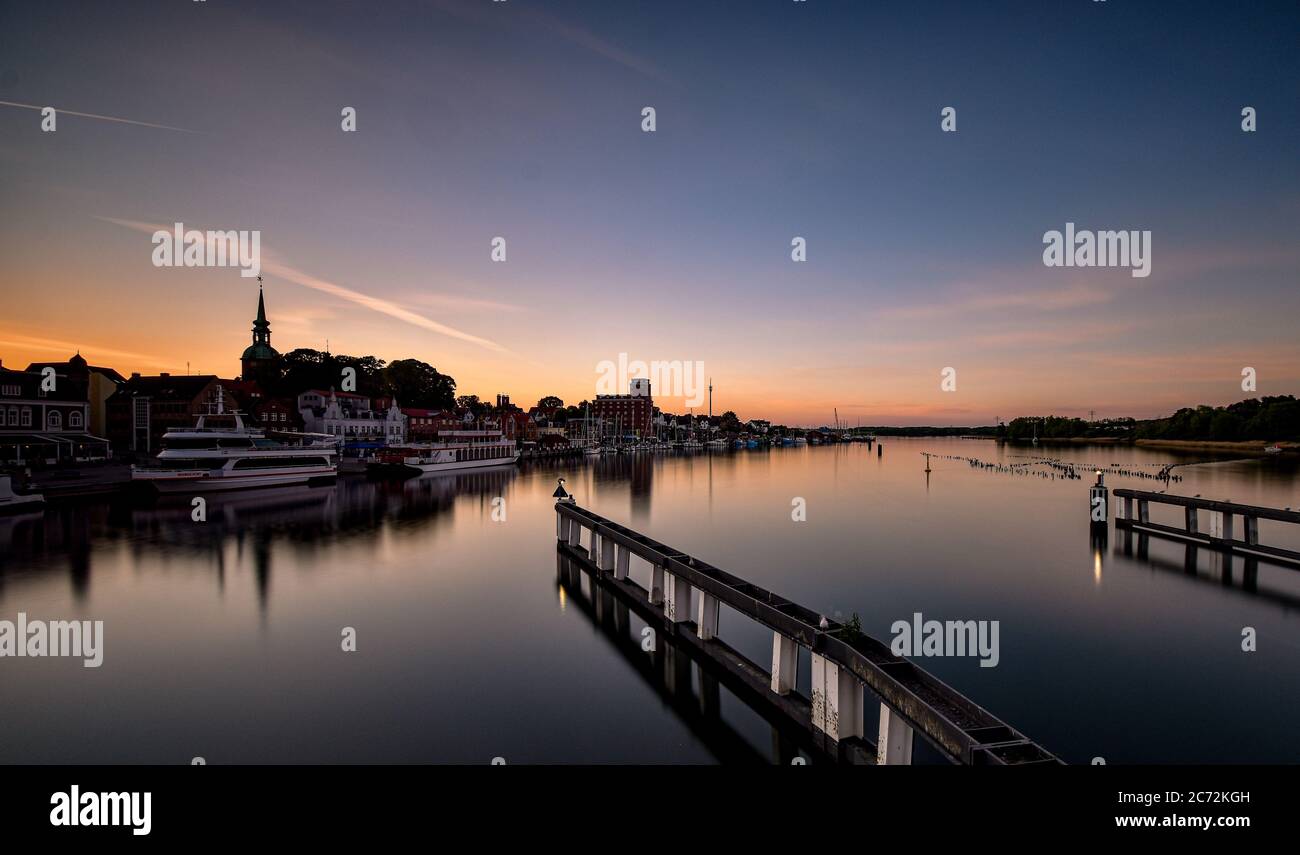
[351, 416]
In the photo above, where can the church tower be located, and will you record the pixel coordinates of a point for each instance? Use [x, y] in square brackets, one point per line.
[258, 355]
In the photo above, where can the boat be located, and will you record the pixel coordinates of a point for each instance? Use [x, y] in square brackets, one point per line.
[222, 453]
[1272, 449]
[716, 444]
[17, 503]
[463, 449]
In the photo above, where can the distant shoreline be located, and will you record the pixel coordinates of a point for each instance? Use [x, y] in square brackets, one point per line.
[1252, 446]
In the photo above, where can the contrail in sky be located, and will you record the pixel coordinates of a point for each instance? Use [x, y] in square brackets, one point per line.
[375, 304]
[62, 112]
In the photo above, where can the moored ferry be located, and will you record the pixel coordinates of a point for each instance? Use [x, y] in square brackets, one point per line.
[461, 450]
[222, 453]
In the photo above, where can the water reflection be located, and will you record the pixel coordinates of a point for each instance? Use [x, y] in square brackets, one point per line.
[252, 600]
[692, 688]
[308, 520]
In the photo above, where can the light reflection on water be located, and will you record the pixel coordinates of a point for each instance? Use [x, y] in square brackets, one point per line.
[223, 638]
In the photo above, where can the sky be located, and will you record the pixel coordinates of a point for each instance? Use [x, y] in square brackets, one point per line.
[522, 119]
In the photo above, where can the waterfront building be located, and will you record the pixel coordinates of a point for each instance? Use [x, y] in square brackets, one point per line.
[38, 424]
[100, 382]
[145, 407]
[262, 411]
[630, 414]
[422, 424]
[352, 416]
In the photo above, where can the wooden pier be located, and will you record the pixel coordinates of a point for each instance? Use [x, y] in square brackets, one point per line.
[1222, 516]
[845, 666]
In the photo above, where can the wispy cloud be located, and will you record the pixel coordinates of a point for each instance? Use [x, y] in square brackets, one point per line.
[457, 302]
[66, 348]
[62, 112]
[271, 265]
[534, 19]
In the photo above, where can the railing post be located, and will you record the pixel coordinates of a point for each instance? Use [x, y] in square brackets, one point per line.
[894, 747]
[836, 700]
[605, 561]
[707, 621]
[1128, 507]
[852, 707]
[1144, 511]
[656, 584]
[575, 533]
[1252, 530]
[677, 598]
[1190, 517]
[621, 557]
[785, 663]
[1227, 525]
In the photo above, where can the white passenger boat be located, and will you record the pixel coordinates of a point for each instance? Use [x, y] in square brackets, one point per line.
[15, 503]
[222, 453]
[463, 449]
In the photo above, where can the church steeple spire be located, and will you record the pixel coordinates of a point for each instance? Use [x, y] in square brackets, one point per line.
[261, 306]
[261, 328]
[260, 351]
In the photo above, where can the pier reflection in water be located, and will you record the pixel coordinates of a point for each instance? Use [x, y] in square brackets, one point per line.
[222, 639]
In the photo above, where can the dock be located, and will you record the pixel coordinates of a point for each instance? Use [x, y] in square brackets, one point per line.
[1221, 517]
[848, 668]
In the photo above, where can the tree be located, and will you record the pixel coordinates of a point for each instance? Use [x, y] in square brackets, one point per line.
[550, 402]
[417, 384]
[472, 404]
[304, 368]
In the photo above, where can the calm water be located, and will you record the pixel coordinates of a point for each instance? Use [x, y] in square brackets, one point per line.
[223, 638]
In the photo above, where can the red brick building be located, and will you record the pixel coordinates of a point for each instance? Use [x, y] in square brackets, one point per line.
[630, 414]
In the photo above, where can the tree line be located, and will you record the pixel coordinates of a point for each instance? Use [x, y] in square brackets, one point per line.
[412, 382]
[1270, 418]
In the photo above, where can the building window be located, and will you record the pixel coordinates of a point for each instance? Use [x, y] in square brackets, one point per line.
[54, 421]
[74, 420]
[13, 417]
[27, 416]
[12, 391]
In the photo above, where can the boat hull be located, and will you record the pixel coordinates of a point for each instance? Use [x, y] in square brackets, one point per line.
[28, 505]
[408, 470]
[203, 482]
